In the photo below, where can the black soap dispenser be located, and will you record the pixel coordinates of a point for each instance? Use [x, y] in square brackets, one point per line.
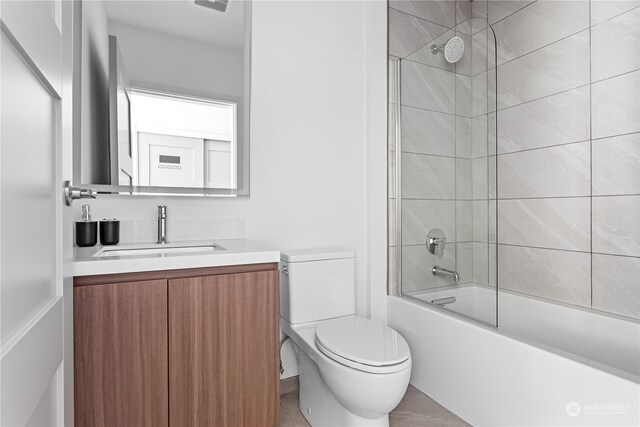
[86, 230]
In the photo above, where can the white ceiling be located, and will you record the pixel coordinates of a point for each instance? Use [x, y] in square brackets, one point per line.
[183, 18]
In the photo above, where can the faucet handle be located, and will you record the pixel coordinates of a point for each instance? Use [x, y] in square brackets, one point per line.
[436, 242]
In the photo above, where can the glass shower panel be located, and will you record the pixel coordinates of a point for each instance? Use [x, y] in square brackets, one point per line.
[443, 150]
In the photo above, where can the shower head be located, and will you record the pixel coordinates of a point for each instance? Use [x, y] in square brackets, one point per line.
[452, 49]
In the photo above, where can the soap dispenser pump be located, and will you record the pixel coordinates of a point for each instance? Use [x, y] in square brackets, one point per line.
[86, 230]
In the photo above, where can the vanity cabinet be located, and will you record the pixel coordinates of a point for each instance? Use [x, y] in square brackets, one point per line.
[193, 347]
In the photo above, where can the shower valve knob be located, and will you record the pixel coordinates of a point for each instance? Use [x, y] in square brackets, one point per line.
[436, 242]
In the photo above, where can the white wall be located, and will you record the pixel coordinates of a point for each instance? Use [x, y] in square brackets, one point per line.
[308, 153]
[160, 61]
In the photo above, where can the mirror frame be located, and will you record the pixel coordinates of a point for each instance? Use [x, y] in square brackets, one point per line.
[243, 129]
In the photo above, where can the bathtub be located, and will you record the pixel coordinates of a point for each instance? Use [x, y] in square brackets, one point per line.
[546, 364]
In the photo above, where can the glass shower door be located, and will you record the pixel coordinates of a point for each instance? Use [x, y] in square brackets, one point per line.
[443, 182]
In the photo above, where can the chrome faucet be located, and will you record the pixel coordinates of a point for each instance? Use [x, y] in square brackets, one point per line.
[444, 272]
[162, 225]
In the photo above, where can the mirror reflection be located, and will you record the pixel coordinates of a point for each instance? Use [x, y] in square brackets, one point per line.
[165, 97]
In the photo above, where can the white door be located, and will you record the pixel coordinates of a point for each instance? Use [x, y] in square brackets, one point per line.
[34, 260]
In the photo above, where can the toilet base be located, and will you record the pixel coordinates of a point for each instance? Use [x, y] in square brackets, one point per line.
[317, 403]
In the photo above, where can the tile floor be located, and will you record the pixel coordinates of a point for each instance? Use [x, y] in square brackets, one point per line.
[415, 410]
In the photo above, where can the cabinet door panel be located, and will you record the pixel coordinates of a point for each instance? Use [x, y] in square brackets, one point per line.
[121, 354]
[223, 350]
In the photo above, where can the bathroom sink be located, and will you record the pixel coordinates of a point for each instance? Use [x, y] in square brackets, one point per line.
[161, 250]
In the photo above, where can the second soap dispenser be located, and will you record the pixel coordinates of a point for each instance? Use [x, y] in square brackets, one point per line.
[86, 230]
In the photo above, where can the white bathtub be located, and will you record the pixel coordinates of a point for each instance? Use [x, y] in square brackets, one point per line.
[546, 364]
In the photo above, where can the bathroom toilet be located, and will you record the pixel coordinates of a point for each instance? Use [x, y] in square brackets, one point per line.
[353, 371]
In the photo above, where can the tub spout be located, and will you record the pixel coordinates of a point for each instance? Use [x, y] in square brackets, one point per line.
[444, 272]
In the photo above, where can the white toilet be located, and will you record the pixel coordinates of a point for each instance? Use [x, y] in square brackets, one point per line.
[353, 371]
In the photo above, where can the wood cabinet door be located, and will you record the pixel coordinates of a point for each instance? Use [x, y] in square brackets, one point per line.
[223, 350]
[121, 360]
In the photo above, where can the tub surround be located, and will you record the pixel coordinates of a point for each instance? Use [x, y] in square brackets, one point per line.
[488, 378]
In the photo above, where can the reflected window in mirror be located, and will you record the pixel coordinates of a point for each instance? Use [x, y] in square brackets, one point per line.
[183, 141]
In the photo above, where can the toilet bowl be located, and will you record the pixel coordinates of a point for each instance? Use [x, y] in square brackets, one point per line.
[353, 371]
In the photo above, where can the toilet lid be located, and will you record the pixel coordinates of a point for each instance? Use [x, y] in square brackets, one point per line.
[363, 341]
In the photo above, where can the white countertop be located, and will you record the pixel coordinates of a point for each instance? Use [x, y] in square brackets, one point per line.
[236, 252]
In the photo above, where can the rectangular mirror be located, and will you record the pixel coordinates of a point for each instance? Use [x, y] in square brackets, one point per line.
[164, 97]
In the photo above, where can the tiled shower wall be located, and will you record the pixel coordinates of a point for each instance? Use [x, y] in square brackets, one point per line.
[444, 151]
[568, 149]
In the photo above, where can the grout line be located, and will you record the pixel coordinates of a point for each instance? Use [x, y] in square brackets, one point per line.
[567, 197]
[543, 248]
[614, 136]
[616, 255]
[525, 150]
[432, 111]
[613, 17]
[568, 90]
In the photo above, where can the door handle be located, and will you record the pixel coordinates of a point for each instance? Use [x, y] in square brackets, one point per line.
[73, 193]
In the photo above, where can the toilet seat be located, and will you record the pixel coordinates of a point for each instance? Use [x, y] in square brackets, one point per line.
[363, 344]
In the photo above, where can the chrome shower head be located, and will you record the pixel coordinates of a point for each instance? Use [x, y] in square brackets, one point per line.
[452, 49]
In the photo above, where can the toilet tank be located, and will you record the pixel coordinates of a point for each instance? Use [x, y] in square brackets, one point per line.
[317, 284]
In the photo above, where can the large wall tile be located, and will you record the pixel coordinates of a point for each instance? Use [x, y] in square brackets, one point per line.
[463, 12]
[407, 33]
[547, 172]
[616, 285]
[464, 220]
[500, 9]
[616, 165]
[463, 66]
[480, 137]
[557, 275]
[481, 220]
[425, 56]
[557, 67]
[440, 12]
[484, 263]
[464, 96]
[538, 25]
[428, 177]
[464, 137]
[464, 179]
[417, 263]
[616, 225]
[420, 216]
[480, 179]
[428, 132]
[428, 87]
[548, 223]
[479, 13]
[484, 92]
[616, 105]
[464, 262]
[602, 10]
[554, 120]
[482, 52]
[614, 46]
